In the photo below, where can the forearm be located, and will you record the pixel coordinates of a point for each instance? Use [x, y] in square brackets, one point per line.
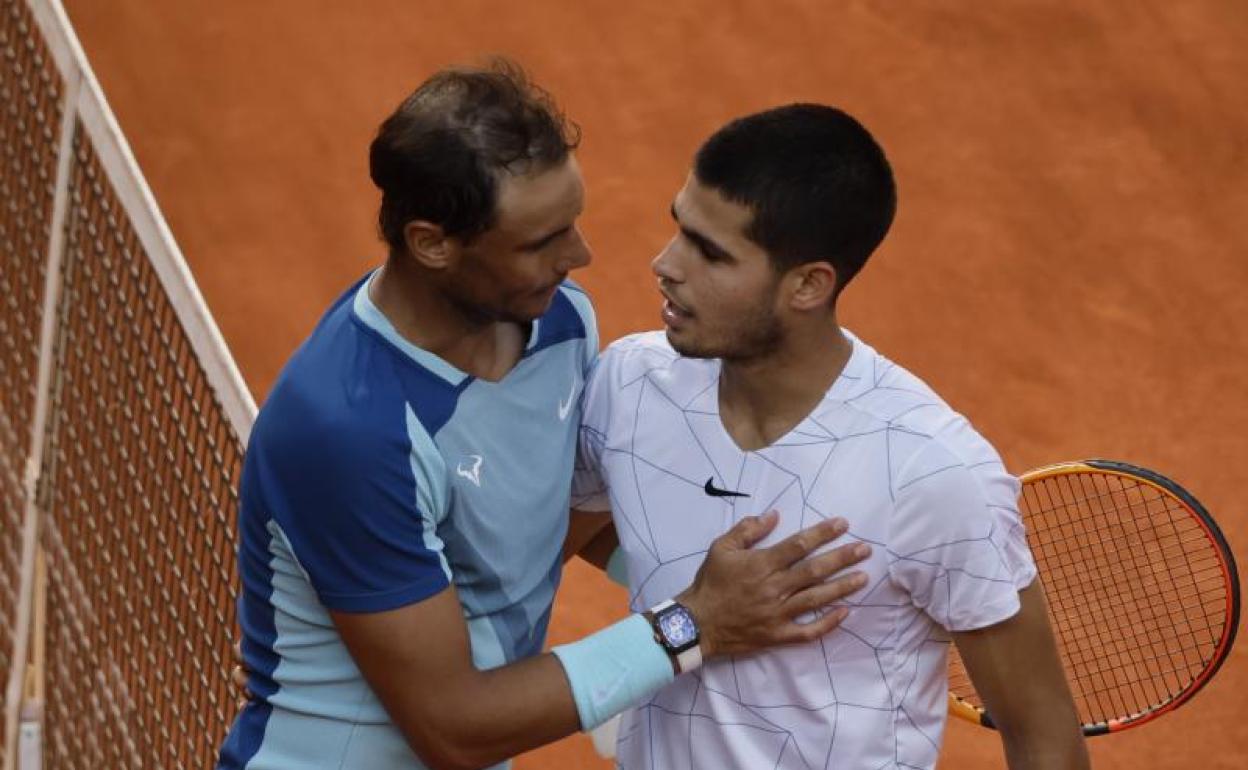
[486, 717]
[1061, 749]
[456, 716]
[1016, 669]
[587, 531]
[598, 550]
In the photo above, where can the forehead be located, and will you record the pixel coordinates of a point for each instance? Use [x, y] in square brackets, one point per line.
[707, 211]
[540, 201]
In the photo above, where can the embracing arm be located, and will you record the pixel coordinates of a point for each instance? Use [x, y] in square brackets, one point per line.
[591, 535]
[417, 658]
[1015, 668]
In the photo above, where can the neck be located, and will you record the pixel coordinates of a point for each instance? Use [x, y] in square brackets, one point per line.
[762, 399]
[423, 314]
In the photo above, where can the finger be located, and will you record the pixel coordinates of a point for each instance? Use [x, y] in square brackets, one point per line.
[800, 633]
[822, 595]
[818, 568]
[239, 677]
[797, 546]
[745, 533]
[238, 651]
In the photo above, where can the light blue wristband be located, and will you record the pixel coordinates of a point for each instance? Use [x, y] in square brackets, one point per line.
[614, 669]
[617, 567]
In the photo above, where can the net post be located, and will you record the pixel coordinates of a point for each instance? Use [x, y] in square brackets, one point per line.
[29, 595]
[30, 724]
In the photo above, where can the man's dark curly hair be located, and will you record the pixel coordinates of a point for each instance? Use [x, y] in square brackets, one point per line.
[439, 156]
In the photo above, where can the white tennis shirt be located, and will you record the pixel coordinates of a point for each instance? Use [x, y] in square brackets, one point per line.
[915, 481]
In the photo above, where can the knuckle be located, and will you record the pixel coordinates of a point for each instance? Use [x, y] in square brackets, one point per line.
[826, 564]
[769, 594]
[843, 554]
[797, 550]
[801, 574]
[840, 587]
[807, 632]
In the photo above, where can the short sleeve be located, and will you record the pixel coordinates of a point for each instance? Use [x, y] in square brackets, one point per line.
[956, 543]
[589, 488]
[351, 508]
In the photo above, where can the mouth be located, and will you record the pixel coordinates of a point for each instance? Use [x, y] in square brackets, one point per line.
[674, 313]
[549, 289]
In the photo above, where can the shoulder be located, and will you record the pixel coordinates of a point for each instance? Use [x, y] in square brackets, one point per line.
[925, 432]
[641, 349]
[571, 309]
[647, 356]
[577, 295]
[641, 367]
[570, 318]
[340, 402]
[876, 386]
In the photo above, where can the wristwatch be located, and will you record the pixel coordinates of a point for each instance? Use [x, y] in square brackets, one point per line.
[676, 632]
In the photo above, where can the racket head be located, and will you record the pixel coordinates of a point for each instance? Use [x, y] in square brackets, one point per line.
[1142, 588]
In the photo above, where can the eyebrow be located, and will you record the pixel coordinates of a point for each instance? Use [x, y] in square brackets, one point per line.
[704, 244]
[534, 245]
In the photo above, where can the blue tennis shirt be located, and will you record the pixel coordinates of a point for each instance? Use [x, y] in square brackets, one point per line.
[376, 475]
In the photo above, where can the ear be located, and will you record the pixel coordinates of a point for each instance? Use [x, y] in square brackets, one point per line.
[429, 245]
[813, 286]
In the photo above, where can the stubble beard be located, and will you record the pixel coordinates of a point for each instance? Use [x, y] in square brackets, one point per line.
[756, 336]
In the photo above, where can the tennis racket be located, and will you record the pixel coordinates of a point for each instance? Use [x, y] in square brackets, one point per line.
[1142, 589]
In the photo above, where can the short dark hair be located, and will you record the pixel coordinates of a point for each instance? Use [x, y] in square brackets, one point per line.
[817, 182]
[438, 156]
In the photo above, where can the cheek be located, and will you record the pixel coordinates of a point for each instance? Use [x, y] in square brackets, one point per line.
[519, 275]
[736, 305]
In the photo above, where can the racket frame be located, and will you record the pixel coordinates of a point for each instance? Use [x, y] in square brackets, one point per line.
[968, 711]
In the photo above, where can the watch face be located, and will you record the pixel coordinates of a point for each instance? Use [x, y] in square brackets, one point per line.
[677, 627]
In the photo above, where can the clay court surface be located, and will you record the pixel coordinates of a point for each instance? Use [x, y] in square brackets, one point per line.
[1069, 265]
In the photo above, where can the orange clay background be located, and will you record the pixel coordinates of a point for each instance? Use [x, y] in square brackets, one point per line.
[1069, 265]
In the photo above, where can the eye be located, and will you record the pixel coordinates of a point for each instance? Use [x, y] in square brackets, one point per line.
[709, 256]
[548, 240]
[708, 250]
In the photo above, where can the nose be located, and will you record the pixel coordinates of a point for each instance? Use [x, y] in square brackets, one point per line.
[576, 255]
[664, 265]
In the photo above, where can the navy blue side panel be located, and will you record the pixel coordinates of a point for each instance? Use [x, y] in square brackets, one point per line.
[255, 617]
[245, 736]
[334, 470]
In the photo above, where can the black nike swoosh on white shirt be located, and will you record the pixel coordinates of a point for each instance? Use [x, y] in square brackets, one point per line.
[714, 491]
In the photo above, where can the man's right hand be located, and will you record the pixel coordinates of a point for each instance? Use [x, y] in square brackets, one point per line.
[745, 599]
[239, 675]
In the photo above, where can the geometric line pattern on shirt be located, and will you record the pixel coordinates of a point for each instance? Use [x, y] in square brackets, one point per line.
[711, 703]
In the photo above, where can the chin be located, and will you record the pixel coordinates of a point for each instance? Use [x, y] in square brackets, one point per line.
[527, 313]
[759, 343]
[689, 348]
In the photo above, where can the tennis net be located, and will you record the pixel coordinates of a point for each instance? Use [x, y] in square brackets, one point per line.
[122, 421]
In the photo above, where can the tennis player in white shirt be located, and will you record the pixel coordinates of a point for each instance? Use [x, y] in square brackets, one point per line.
[754, 398]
